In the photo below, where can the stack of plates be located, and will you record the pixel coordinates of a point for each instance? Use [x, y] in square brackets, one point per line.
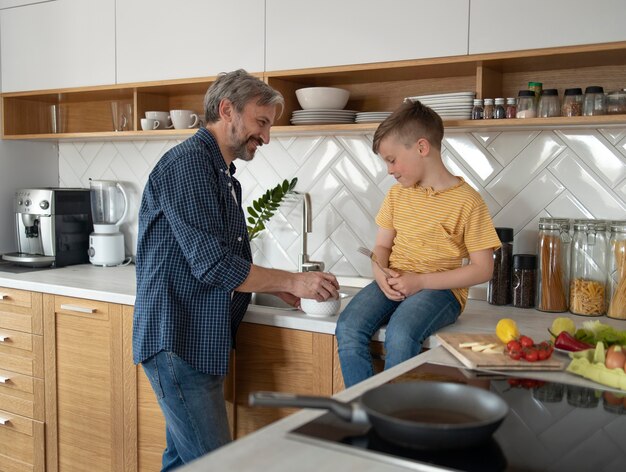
[450, 106]
[372, 116]
[319, 116]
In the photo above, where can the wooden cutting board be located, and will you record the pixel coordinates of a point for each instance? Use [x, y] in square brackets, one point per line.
[479, 360]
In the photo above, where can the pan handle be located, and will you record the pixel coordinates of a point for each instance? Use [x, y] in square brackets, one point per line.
[342, 410]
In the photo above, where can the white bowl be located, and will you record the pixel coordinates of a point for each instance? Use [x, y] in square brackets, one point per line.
[326, 308]
[329, 98]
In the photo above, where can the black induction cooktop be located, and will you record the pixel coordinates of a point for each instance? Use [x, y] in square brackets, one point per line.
[550, 427]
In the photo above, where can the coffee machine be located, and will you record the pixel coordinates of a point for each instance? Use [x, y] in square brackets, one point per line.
[52, 227]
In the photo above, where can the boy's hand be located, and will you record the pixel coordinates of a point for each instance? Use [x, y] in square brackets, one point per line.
[382, 278]
[407, 283]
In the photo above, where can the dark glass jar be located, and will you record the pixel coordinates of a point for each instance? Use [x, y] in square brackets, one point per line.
[499, 287]
[477, 109]
[511, 107]
[499, 111]
[524, 280]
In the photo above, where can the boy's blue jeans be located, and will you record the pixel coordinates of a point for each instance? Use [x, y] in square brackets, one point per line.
[409, 323]
[193, 406]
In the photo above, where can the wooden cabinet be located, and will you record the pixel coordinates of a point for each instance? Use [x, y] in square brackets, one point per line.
[301, 34]
[157, 40]
[531, 24]
[22, 403]
[65, 43]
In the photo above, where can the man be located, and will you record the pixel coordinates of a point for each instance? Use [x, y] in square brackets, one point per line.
[194, 270]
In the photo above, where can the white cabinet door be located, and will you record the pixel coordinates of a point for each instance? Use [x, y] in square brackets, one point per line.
[497, 25]
[161, 39]
[302, 33]
[66, 43]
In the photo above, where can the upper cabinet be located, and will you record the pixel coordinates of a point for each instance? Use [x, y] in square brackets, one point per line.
[161, 39]
[60, 44]
[302, 34]
[529, 24]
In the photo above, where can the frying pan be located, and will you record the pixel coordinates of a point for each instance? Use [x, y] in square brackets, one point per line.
[418, 415]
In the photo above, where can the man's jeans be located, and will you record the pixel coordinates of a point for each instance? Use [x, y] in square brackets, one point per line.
[193, 406]
[409, 323]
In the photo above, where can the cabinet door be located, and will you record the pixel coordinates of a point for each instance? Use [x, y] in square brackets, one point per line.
[530, 24]
[301, 34]
[157, 39]
[66, 43]
[84, 384]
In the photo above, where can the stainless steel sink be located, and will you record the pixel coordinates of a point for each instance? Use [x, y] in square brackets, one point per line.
[271, 301]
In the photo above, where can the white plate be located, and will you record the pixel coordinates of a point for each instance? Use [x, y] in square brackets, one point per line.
[321, 110]
[319, 122]
[443, 95]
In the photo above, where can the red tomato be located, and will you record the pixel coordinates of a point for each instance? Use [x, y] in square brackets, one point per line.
[525, 341]
[516, 354]
[513, 346]
[543, 354]
[531, 355]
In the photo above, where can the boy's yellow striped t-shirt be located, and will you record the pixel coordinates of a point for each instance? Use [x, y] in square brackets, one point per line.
[435, 231]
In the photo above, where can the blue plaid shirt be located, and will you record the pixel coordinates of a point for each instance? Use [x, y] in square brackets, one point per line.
[192, 252]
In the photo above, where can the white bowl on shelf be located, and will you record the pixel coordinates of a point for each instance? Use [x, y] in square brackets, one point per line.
[326, 308]
[329, 98]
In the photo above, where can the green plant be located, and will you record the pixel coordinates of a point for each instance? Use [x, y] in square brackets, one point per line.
[264, 207]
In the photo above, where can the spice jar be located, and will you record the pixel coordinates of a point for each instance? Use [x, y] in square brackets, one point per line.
[572, 102]
[477, 110]
[537, 88]
[499, 287]
[526, 104]
[553, 264]
[616, 283]
[524, 280]
[499, 112]
[588, 268]
[594, 101]
[549, 104]
[511, 107]
[488, 109]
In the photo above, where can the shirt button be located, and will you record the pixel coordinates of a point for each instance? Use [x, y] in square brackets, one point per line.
[239, 239]
[229, 184]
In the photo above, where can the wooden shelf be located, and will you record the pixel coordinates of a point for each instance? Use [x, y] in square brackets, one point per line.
[86, 112]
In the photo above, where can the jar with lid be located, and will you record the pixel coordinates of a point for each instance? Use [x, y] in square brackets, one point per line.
[549, 104]
[477, 110]
[499, 287]
[572, 102]
[511, 107]
[588, 268]
[523, 280]
[499, 112]
[553, 264]
[537, 88]
[616, 102]
[526, 104]
[617, 271]
[488, 109]
[594, 101]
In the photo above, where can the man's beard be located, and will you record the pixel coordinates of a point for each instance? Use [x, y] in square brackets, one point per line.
[239, 146]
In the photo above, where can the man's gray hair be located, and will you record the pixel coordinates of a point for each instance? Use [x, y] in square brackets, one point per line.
[240, 88]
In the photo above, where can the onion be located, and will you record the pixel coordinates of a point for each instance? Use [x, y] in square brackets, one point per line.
[615, 358]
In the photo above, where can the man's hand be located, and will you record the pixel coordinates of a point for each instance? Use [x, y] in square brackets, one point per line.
[317, 285]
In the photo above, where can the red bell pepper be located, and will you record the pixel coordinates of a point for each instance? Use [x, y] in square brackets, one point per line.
[567, 342]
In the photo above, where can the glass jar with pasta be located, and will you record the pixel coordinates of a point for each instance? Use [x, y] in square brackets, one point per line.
[617, 271]
[553, 264]
[588, 268]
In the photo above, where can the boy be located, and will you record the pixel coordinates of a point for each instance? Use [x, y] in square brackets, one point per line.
[428, 223]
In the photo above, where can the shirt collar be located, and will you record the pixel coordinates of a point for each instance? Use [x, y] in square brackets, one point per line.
[207, 138]
[429, 191]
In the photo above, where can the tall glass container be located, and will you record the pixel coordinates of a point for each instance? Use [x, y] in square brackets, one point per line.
[617, 271]
[553, 264]
[588, 268]
[499, 287]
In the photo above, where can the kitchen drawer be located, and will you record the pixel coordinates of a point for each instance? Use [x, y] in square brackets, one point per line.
[81, 307]
[21, 310]
[22, 395]
[25, 356]
[22, 443]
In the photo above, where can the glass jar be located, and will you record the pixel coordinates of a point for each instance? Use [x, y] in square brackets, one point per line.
[499, 112]
[488, 109]
[499, 287]
[553, 264]
[616, 283]
[572, 102]
[616, 102]
[594, 101]
[549, 104]
[588, 268]
[526, 104]
[477, 110]
[511, 107]
[537, 88]
[523, 280]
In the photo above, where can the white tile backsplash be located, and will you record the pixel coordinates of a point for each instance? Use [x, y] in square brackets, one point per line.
[522, 175]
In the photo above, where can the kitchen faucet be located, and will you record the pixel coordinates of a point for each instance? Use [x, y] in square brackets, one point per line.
[304, 264]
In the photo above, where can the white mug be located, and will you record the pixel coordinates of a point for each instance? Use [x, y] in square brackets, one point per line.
[148, 124]
[184, 119]
[162, 117]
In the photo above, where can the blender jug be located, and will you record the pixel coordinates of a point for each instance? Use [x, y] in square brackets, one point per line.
[109, 206]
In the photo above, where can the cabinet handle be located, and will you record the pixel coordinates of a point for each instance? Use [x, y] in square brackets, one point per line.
[4, 420]
[80, 309]
[3, 338]
[4, 380]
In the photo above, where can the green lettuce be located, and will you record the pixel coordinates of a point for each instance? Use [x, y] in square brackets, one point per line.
[593, 332]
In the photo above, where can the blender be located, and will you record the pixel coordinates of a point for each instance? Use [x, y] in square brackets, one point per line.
[109, 206]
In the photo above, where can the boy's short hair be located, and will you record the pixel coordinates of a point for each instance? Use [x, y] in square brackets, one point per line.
[409, 123]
